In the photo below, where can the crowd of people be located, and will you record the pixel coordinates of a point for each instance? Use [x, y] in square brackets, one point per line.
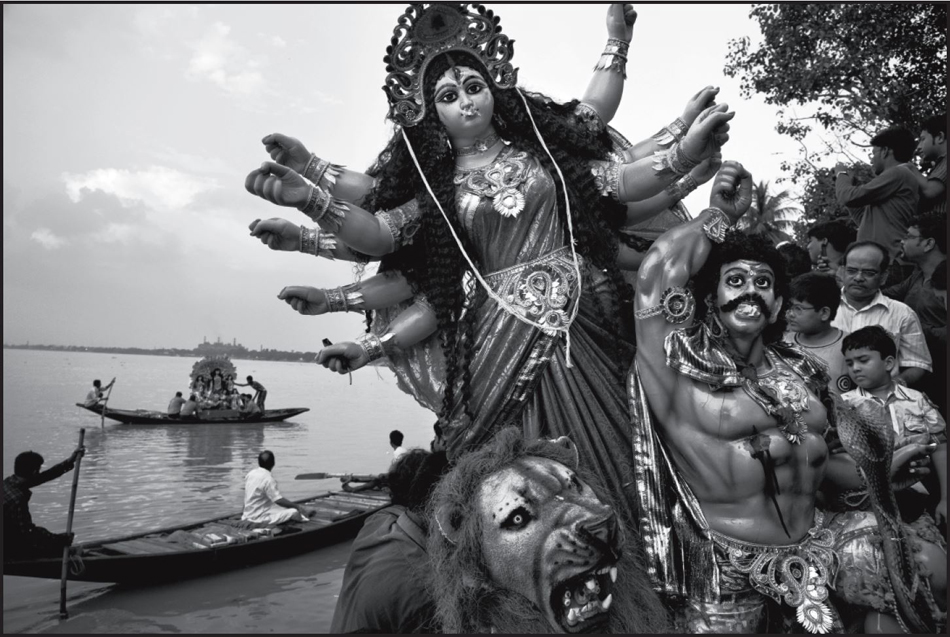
[766, 423]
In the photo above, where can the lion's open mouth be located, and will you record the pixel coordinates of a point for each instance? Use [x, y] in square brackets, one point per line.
[581, 603]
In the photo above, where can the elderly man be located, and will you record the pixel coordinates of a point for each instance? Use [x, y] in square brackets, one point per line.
[730, 443]
[863, 304]
[263, 503]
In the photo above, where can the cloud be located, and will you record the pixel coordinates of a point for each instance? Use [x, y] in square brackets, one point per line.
[278, 41]
[220, 60]
[46, 238]
[157, 187]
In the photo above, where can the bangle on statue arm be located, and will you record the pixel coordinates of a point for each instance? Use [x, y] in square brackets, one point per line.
[715, 224]
[614, 57]
[317, 242]
[410, 327]
[673, 132]
[324, 209]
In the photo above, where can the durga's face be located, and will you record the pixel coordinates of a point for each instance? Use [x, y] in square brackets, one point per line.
[465, 105]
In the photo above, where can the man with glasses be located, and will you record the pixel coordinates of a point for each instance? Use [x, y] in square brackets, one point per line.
[863, 304]
[926, 247]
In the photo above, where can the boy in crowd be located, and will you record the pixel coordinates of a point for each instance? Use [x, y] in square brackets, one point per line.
[814, 300]
[870, 355]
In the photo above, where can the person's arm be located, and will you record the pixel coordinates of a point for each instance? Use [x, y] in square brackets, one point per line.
[605, 89]
[377, 292]
[281, 234]
[675, 130]
[913, 355]
[931, 187]
[410, 327]
[348, 185]
[649, 176]
[899, 290]
[940, 466]
[56, 470]
[373, 235]
[876, 190]
[675, 257]
[640, 211]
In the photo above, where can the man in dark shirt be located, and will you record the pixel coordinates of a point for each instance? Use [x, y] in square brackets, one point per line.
[932, 148]
[926, 247]
[20, 535]
[883, 207]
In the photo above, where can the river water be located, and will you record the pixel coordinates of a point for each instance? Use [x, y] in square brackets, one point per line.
[136, 478]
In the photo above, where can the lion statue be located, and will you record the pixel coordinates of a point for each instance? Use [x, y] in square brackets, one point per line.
[523, 543]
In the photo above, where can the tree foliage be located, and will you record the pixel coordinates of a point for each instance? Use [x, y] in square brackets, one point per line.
[844, 71]
[818, 199]
[771, 215]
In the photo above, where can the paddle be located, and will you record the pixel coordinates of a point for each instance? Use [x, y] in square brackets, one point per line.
[63, 613]
[347, 476]
[102, 423]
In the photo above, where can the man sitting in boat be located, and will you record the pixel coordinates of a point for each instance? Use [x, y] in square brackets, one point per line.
[95, 394]
[20, 536]
[174, 405]
[263, 503]
[190, 408]
[250, 407]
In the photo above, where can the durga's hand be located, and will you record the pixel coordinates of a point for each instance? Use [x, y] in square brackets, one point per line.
[287, 151]
[732, 190]
[277, 233]
[707, 168]
[620, 20]
[699, 102]
[708, 133]
[342, 357]
[278, 184]
[305, 300]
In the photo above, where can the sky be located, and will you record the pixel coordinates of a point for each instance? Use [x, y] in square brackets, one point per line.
[129, 130]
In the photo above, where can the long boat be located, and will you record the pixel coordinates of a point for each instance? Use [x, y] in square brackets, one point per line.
[211, 546]
[208, 416]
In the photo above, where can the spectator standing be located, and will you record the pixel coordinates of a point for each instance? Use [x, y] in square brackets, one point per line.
[814, 300]
[925, 246]
[932, 148]
[883, 207]
[863, 304]
[259, 392]
[827, 243]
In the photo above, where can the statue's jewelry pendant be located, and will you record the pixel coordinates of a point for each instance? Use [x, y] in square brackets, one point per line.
[508, 202]
[792, 396]
[480, 146]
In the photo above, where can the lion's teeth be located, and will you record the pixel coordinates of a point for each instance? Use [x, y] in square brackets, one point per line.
[590, 584]
[607, 601]
[572, 616]
[613, 573]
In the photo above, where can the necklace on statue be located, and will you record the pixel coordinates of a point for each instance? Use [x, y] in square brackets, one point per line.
[480, 146]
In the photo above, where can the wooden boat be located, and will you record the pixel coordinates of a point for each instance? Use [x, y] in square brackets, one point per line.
[211, 546]
[208, 416]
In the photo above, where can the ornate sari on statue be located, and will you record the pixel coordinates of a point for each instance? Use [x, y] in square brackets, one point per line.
[520, 373]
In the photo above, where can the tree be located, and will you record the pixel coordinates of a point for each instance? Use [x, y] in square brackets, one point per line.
[771, 215]
[853, 69]
[818, 199]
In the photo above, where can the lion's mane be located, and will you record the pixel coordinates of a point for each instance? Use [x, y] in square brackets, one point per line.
[467, 601]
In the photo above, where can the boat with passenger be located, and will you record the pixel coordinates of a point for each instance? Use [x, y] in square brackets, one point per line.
[213, 399]
[210, 546]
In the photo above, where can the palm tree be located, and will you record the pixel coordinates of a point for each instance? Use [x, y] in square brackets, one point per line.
[771, 215]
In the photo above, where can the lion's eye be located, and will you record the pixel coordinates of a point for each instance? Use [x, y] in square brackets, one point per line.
[517, 519]
[576, 482]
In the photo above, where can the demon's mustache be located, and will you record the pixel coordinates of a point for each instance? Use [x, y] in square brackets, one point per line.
[751, 297]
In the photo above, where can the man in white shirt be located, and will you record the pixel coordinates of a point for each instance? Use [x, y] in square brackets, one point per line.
[95, 394]
[862, 304]
[395, 441]
[263, 502]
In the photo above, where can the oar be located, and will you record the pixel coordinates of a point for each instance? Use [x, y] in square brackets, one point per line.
[349, 476]
[102, 423]
[63, 613]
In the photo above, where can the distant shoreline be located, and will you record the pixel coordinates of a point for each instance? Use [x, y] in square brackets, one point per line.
[237, 353]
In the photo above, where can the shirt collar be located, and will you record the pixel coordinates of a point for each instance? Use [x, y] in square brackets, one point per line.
[879, 299]
[896, 392]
